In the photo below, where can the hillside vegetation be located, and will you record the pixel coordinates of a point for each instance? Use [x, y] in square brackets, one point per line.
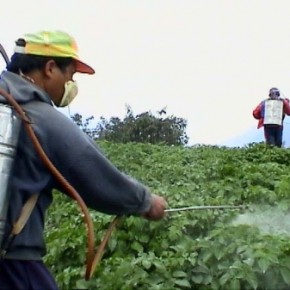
[199, 249]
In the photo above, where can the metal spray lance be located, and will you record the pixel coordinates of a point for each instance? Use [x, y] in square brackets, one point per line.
[203, 207]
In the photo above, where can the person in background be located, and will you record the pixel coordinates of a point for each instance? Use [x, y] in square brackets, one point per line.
[40, 78]
[271, 113]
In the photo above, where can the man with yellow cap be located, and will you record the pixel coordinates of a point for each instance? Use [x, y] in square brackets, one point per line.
[40, 77]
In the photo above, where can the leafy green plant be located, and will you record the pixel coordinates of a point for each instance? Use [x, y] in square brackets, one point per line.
[202, 249]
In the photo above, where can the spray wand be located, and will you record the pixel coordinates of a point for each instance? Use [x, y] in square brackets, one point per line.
[203, 207]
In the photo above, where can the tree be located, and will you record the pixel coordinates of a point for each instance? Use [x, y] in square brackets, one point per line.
[142, 128]
[84, 124]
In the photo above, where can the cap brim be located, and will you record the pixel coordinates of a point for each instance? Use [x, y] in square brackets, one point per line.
[81, 67]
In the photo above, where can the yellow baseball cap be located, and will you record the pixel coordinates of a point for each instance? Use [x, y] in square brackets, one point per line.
[53, 43]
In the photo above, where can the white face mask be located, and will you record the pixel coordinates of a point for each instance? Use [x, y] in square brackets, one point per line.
[70, 92]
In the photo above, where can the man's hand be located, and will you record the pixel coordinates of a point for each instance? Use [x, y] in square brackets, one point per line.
[157, 209]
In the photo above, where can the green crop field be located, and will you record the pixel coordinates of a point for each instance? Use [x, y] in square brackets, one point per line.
[198, 249]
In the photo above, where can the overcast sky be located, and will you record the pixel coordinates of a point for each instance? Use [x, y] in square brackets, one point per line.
[209, 61]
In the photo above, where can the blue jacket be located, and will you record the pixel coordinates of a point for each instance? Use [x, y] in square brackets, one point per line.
[101, 185]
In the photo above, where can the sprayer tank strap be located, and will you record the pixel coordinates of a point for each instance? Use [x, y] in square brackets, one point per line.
[25, 214]
[21, 222]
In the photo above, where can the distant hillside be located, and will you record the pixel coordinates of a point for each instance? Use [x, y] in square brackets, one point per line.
[254, 135]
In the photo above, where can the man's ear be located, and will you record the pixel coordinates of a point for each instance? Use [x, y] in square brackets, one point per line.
[49, 68]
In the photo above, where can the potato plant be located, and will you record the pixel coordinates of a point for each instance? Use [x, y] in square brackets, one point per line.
[201, 249]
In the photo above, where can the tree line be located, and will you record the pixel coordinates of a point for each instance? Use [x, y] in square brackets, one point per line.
[142, 128]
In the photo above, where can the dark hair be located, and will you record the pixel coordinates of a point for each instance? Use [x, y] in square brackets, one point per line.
[29, 62]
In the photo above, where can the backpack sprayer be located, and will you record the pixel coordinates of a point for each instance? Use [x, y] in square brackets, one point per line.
[4, 54]
[10, 120]
[9, 132]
